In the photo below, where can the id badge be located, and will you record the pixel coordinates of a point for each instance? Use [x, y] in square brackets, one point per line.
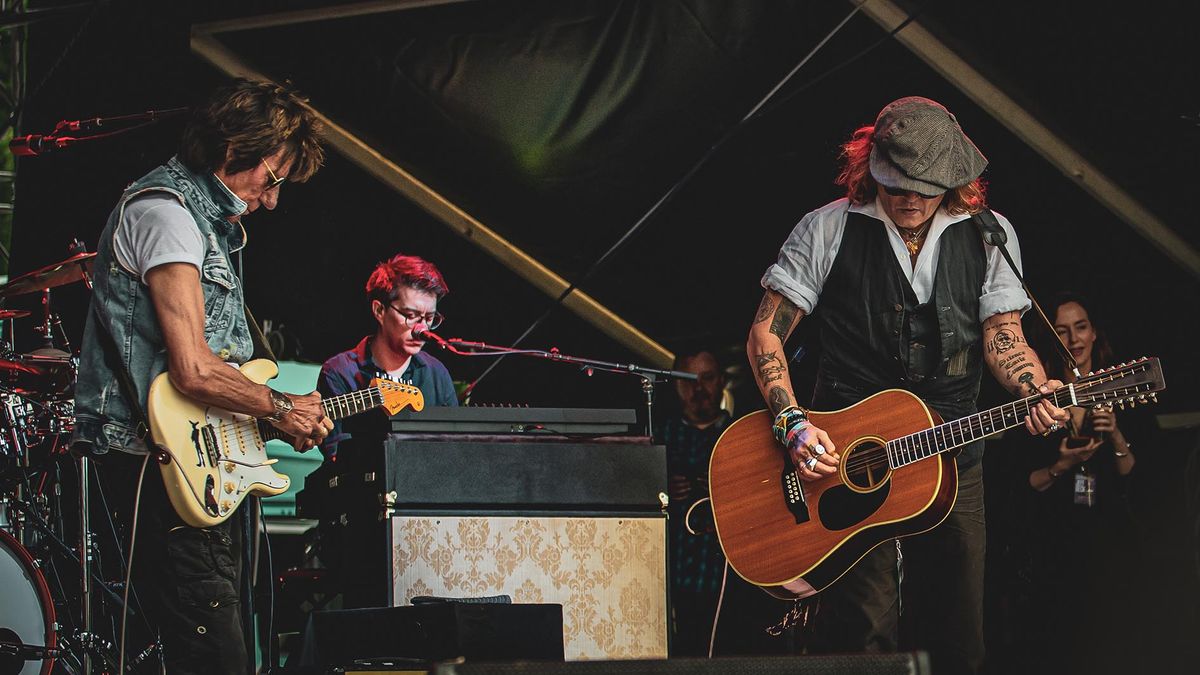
[1085, 488]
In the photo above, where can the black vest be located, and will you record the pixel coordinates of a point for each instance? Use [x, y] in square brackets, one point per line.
[875, 336]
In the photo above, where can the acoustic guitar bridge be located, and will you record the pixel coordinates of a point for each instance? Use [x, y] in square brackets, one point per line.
[793, 492]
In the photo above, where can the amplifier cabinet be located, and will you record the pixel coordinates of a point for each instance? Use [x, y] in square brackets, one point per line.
[608, 571]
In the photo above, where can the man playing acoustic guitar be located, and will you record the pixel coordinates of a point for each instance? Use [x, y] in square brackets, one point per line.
[911, 298]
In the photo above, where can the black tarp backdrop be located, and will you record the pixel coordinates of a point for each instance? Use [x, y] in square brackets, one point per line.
[559, 123]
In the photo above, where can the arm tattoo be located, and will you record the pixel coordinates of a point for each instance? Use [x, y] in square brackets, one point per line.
[785, 313]
[770, 368]
[764, 308]
[1027, 380]
[1004, 340]
[778, 399]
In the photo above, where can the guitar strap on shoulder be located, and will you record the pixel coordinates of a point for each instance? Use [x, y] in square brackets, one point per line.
[994, 235]
[262, 348]
[112, 356]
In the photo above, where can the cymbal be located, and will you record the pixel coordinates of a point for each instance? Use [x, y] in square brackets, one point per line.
[59, 274]
[6, 314]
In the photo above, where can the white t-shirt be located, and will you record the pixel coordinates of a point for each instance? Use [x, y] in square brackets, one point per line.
[807, 257]
[156, 229]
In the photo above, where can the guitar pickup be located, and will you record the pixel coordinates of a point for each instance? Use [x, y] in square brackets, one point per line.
[793, 493]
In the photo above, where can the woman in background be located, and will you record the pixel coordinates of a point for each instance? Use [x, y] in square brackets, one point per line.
[1082, 536]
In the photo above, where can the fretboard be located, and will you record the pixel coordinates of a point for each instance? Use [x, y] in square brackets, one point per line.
[345, 405]
[336, 407]
[951, 435]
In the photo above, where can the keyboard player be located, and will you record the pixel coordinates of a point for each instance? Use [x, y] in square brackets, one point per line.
[403, 293]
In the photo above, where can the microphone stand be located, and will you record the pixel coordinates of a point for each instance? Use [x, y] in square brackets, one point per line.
[649, 376]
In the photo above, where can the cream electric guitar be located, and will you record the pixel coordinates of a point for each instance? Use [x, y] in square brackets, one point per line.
[212, 458]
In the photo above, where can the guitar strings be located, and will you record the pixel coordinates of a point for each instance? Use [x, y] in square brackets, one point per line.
[974, 423]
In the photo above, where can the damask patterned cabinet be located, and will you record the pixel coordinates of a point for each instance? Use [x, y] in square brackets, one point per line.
[608, 572]
[547, 519]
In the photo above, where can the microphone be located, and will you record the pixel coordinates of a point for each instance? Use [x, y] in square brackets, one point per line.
[422, 331]
[33, 145]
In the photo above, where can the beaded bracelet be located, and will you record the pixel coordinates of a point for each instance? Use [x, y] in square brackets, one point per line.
[791, 419]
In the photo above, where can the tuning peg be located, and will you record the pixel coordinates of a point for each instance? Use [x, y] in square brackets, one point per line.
[1121, 404]
[1132, 403]
[1154, 397]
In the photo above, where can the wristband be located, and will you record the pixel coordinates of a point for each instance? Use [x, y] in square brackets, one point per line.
[789, 421]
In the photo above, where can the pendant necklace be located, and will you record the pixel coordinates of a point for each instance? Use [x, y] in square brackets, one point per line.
[912, 240]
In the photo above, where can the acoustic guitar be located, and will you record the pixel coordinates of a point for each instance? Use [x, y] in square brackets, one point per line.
[215, 458]
[897, 478]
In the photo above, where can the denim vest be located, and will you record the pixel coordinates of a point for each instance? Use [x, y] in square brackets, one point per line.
[103, 416]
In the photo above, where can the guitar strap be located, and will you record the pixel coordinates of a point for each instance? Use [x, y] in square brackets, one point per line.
[262, 348]
[112, 357]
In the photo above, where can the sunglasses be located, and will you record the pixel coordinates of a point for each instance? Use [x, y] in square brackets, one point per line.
[900, 192]
[275, 181]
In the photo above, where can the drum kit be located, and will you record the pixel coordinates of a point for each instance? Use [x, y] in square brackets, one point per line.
[45, 582]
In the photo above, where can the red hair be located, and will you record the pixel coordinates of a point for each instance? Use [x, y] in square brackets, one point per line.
[404, 270]
[855, 176]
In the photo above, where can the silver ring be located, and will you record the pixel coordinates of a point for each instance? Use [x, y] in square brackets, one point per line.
[810, 463]
[818, 450]
[1054, 426]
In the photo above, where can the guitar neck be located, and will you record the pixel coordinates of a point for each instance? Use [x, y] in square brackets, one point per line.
[336, 407]
[944, 437]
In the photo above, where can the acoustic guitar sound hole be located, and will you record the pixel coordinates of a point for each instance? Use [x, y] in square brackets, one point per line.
[866, 465]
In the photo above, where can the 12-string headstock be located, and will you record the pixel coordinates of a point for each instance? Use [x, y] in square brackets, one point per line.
[1123, 384]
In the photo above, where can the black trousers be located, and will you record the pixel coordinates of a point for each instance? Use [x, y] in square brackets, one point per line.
[939, 605]
[186, 579]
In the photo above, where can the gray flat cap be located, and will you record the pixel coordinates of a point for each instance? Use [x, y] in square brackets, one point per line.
[919, 146]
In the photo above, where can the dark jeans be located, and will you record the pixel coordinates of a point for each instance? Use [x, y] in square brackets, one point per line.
[186, 578]
[746, 614]
[941, 596]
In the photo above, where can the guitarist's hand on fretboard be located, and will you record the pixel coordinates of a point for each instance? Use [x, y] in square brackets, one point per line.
[1045, 418]
[306, 423]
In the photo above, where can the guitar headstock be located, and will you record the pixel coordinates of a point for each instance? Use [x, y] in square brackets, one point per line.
[1127, 383]
[397, 396]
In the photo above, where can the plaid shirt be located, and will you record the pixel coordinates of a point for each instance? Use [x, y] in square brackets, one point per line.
[697, 562]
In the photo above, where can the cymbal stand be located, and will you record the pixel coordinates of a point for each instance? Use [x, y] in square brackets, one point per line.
[85, 564]
[50, 321]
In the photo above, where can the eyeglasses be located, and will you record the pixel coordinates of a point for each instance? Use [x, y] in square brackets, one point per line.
[412, 317]
[900, 192]
[275, 181]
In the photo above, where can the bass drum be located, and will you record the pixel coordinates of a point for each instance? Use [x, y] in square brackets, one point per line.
[26, 609]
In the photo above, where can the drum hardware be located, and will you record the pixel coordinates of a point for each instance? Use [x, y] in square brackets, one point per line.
[60, 547]
[37, 410]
